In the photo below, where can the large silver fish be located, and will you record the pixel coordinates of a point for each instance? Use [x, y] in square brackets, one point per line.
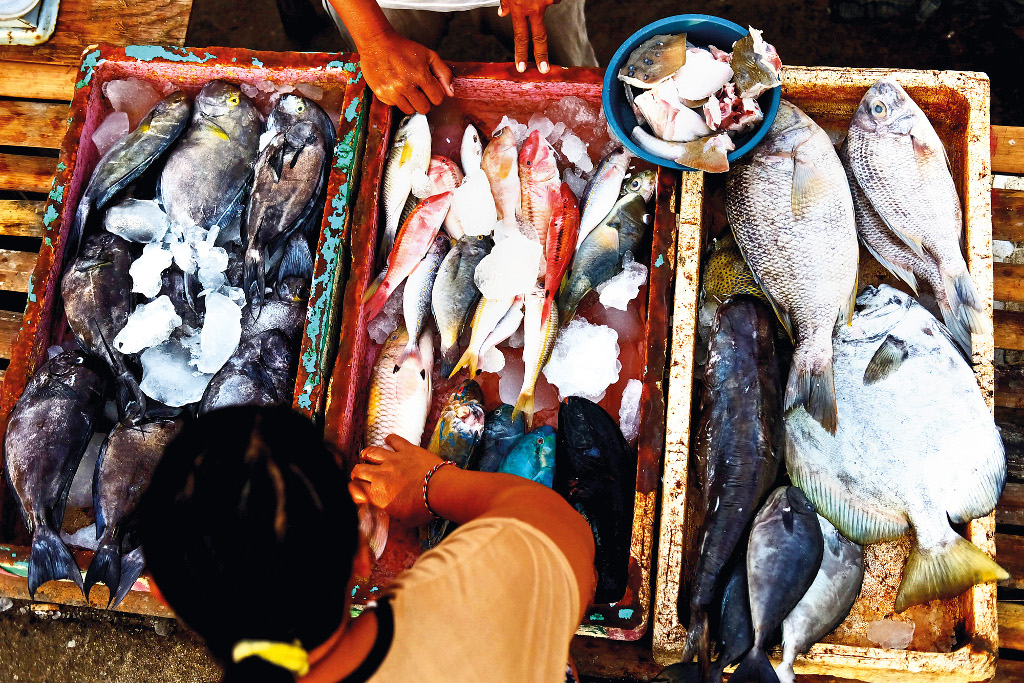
[602, 191]
[790, 209]
[916, 447]
[407, 165]
[416, 297]
[455, 294]
[899, 161]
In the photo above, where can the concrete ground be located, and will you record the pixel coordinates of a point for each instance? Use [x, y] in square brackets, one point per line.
[83, 645]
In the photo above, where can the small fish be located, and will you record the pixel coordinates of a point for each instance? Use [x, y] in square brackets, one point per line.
[560, 245]
[756, 65]
[398, 404]
[654, 59]
[794, 223]
[726, 273]
[539, 334]
[209, 168]
[407, 165]
[259, 373]
[455, 294]
[599, 258]
[97, 301]
[486, 317]
[709, 154]
[736, 632]
[595, 471]
[123, 471]
[457, 434]
[533, 456]
[917, 446]
[827, 602]
[472, 150]
[506, 327]
[501, 431]
[539, 183]
[128, 158]
[411, 245]
[602, 191]
[900, 163]
[500, 164]
[416, 296]
[47, 433]
[783, 556]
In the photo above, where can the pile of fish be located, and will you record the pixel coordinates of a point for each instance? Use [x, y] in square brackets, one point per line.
[871, 452]
[187, 270]
[499, 248]
[696, 100]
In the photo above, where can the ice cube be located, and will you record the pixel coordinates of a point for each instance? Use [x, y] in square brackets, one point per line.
[1001, 249]
[629, 409]
[585, 360]
[623, 288]
[266, 86]
[211, 280]
[222, 328]
[310, 90]
[511, 382]
[168, 376]
[519, 130]
[146, 270]
[113, 128]
[83, 538]
[585, 164]
[493, 360]
[184, 256]
[577, 183]
[210, 257]
[556, 132]
[137, 220]
[386, 321]
[541, 124]
[574, 110]
[148, 325]
[133, 96]
[284, 88]
[510, 268]
[573, 148]
[249, 90]
[473, 206]
[887, 633]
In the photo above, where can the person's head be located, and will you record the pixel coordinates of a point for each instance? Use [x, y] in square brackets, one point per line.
[245, 511]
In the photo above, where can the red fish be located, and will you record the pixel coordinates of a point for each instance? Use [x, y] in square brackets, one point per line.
[560, 244]
[411, 244]
[538, 176]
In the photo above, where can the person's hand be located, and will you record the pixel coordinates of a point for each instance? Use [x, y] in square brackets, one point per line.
[527, 18]
[405, 74]
[393, 480]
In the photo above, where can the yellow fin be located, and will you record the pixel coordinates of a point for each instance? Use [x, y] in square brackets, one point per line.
[945, 572]
[406, 153]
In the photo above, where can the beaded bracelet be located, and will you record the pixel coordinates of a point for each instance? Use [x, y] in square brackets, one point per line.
[426, 480]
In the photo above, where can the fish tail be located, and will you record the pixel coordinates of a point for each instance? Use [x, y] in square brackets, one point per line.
[411, 347]
[965, 301]
[449, 357]
[785, 672]
[683, 672]
[959, 329]
[468, 359]
[944, 572]
[524, 405]
[815, 390]
[373, 524]
[697, 642]
[105, 567]
[375, 296]
[50, 560]
[132, 565]
[253, 276]
[755, 668]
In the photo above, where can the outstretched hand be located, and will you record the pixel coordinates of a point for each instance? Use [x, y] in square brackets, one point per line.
[405, 74]
[393, 480]
[527, 18]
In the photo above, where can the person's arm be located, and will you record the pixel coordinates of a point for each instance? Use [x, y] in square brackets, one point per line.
[399, 71]
[393, 480]
[527, 18]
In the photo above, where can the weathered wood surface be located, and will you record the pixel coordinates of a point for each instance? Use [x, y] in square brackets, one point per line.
[1008, 149]
[1008, 215]
[15, 269]
[27, 123]
[23, 173]
[25, 80]
[21, 218]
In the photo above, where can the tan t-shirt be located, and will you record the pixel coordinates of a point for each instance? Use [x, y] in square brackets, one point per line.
[496, 601]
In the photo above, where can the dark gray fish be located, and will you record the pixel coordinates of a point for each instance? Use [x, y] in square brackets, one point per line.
[783, 556]
[595, 471]
[128, 158]
[97, 301]
[259, 373]
[292, 109]
[173, 287]
[736, 632]
[501, 432]
[47, 433]
[736, 448]
[287, 317]
[123, 471]
[208, 169]
[287, 177]
[455, 294]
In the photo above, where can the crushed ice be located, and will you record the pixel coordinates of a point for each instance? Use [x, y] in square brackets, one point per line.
[891, 634]
[222, 328]
[510, 268]
[146, 271]
[629, 409]
[149, 324]
[585, 360]
[113, 128]
[623, 288]
[168, 375]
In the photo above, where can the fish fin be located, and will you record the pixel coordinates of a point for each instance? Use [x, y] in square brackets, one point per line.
[955, 329]
[755, 668]
[254, 276]
[782, 315]
[105, 567]
[373, 524]
[927, 144]
[507, 165]
[132, 565]
[850, 305]
[912, 241]
[297, 261]
[902, 273]
[434, 532]
[131, 401]
[406, 153]
[525, 406]
[372, 288]
[980, 499]
[945, 572]
[375, 297]
[449, 357]
[816, 391]
[276, 162]
[965, 301]
[683, 672]
[806, 183]
[785, 672]
[697, 641]
[50, 560]
[74, 238]
[887, 359]
[468, 359]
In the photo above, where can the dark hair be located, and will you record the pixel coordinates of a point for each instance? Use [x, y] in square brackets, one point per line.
[245, 509]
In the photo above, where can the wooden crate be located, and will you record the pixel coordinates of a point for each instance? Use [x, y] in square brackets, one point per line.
[189, 70]
[958, 105]
[483, 94]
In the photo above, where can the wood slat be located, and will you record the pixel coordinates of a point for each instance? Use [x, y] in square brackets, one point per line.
[1008, 282]
[1007, 149]
[32, 124]
[1009, 671]
[26, 174]
[22, 218]
[1010, 509]
[1010, 556]
[15, 269]
[1008, 215]
[1011, 625]
[38, 81]
[1008, 329]
[10, 323]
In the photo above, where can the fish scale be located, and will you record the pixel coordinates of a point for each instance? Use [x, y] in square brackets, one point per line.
[540, 184]
[500, 163]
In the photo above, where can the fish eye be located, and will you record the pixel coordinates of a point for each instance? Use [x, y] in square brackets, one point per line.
[300, 108]
[878, 108]
[233, 99]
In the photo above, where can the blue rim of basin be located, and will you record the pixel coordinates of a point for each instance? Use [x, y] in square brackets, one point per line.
[707, 30]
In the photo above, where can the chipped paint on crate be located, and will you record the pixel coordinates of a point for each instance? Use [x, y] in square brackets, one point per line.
[345, 152]
[351, 67]
[660, 262]
[256, 62]
[31, 288]
[61, 166]
[147, 53]
[50, 215]
[57, 193]
[625, 613]
[353, 110]
[89, 64]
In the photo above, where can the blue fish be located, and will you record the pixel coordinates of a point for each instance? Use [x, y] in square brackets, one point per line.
[500, 434]
[533, 456]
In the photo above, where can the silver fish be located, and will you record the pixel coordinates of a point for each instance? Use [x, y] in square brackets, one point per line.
[899, 161]
[791, 212]
[602, 191]
[916, 447]
[455, 294]
[417, 294]
[407, 165]
[539, 334]
[486, 316]
[653, 60]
